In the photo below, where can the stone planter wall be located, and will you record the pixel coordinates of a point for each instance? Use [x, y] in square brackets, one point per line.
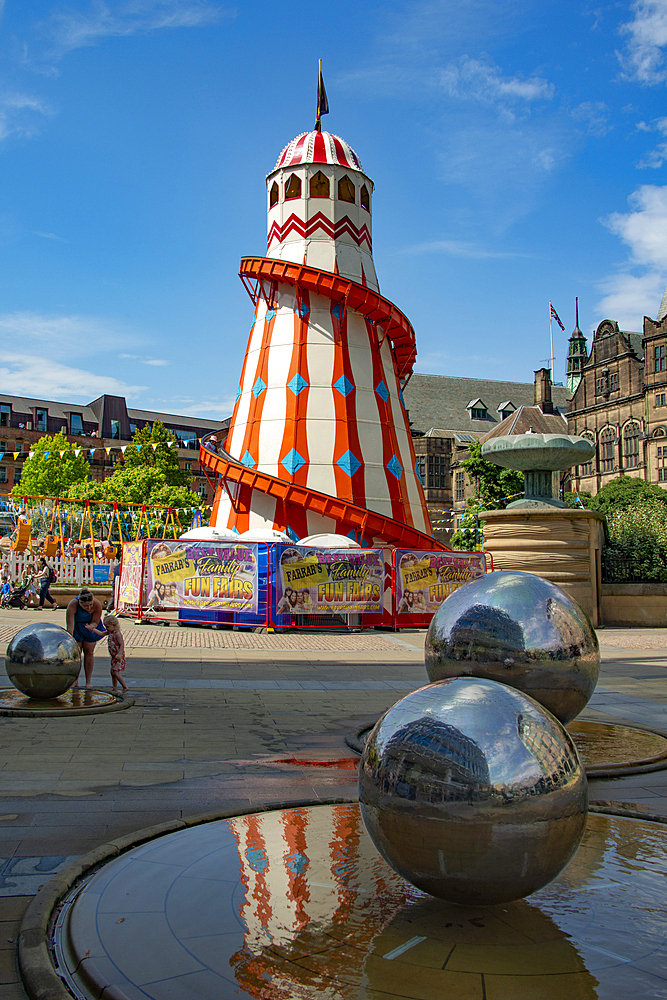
[634, 604]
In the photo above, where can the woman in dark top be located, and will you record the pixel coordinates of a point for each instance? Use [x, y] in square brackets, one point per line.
[83, 611]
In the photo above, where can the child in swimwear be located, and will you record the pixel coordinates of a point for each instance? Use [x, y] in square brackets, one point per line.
[116, 650]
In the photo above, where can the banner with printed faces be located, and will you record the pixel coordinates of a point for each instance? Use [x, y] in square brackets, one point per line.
[218, 576]
[424, 579]
[328, 581]
[129, 587]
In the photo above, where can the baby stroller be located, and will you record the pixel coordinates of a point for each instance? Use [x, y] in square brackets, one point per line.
[18, 597]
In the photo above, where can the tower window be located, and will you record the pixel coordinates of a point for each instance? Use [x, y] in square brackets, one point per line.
[631, 446]
[606, 450]
[365, 198]
[319, 185]
[273, 196]
[293, 187]
[659, 354]
[346, 190]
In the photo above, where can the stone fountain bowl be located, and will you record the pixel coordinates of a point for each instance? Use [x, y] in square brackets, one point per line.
[530, 452]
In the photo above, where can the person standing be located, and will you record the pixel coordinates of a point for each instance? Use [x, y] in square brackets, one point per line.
[116, 650]
[46, 576]
[83, 623]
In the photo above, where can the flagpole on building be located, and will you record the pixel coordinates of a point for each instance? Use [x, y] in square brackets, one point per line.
[551, 338]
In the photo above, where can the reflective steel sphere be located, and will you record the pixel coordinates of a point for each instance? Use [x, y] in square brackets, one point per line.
[473, 792]
[521, 630]
[43, 660]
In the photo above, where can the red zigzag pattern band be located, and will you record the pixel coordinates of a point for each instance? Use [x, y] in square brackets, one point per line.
[319, 221]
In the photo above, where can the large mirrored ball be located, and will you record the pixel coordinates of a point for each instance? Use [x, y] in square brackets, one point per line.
[473, 792]
[521, 630]
[43, 660]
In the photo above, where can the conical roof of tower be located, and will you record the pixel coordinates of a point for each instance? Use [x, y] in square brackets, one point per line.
[662, 311]
[318, 147]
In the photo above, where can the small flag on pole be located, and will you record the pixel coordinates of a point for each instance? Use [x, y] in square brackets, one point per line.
[322, 102]
[555, 316]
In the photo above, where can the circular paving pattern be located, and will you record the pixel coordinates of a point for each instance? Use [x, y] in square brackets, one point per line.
[296, 903]
[76, 701]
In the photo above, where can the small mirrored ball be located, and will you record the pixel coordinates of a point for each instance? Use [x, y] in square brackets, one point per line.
[521, 630]
[43, 660]
[473, 792]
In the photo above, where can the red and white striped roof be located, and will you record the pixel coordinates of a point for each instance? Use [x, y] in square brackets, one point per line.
[318, 147]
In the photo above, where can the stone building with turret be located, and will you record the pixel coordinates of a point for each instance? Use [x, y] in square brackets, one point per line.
[620, 403]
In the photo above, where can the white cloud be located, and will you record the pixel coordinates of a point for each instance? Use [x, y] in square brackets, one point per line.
[157, 362]
[35, 376]
[644, 58]
[21, 115]
[458, 248]
[655, 157]
[593, 114]
[71, 29]
[481, 80]
[629, 296]
[209, 408]
[50, 236]
[63, 336]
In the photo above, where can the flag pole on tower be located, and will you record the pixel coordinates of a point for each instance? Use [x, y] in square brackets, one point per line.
[553, 315]
[322, 102]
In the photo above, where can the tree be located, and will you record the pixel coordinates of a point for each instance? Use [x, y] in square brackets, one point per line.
[138, 486]
[494, 486]
[53, 469]
[164, 457]
[624, 492]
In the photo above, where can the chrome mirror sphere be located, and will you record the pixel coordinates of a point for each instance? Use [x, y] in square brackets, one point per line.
[43, 660]
[521, 630]
[473, 792]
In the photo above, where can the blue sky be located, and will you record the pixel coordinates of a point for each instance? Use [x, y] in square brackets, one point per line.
[518, 150]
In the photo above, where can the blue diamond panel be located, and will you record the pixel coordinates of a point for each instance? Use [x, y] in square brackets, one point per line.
[297, 384]
[258, 388]
[349, 463]
[248, 460]
[302, 309]
[382, 391]
[395, 467]
[270, 314]
[238, 395]
[418, 473]
[400, 396]
[337, 310]
[344, 385]
[292, 461]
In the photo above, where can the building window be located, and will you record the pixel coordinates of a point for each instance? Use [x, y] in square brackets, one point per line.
[421, 468]
[187, 466]
[273, 195]
[606, 451]
[346, 190]
[613, 382]
[586, 469]
[133, 429]
[3, 474]
[17, 475]
[364, 197]
[477, 413]
[115, 429]
[662, 463]
[661, 399]
[659, 355]
[40, 420]
[600, 386]
[460, 486]
[506, 413]
[293, 187]
[437, 472]
[5, 415]
[319, 185]
[631, 446]
[75, 423]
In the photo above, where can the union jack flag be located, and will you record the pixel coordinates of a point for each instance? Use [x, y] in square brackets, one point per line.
[556, 317]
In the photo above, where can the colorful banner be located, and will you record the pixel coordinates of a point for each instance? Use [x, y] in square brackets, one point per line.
[424, 579]
[329, 581]
[213, 575]
[129, 587]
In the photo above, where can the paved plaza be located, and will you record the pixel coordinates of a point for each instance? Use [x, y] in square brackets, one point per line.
[230, 720]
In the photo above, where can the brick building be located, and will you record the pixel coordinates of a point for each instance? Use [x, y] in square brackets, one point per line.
[104, 423]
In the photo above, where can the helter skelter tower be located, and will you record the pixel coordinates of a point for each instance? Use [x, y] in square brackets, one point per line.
[319, 439]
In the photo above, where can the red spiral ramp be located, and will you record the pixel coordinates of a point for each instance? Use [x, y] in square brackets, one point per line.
[367, 526]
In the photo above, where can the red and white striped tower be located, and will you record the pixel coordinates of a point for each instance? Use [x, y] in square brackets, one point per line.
[319, 403]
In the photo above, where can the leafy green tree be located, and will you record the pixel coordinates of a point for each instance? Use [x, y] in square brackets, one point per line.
[572, 499]
[53, 469]
[164, 457]
[139, 486]
[624, 492]
[469, 533]
[494, 487]
[637, 547]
